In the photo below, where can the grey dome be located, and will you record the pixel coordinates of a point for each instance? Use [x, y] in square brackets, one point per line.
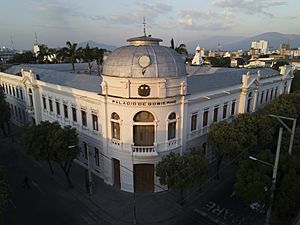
[124, 61]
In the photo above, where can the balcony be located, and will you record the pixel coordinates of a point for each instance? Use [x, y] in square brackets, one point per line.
[144, 151]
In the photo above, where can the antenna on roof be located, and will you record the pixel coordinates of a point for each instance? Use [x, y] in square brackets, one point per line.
[144, 23]
[11, 42]
[35, 36]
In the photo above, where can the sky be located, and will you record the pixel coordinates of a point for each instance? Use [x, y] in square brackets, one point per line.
[114, 21]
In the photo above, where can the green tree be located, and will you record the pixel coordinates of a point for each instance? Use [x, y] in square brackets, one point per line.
[25, 57]
[88, 55]
[70, 53]
[50, 142]
[45, 54]
[181, 49]
[220, 61]
[296, 81]
[4, 113]
[172, 44]
[254, 179]
[182, 172]
[4, 193]
[36, 140]
[99, 54]
[65, 144]
[225, 141]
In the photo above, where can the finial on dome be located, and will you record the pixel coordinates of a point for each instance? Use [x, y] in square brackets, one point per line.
[144, 23]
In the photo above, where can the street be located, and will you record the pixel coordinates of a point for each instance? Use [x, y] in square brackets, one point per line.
[46, 202]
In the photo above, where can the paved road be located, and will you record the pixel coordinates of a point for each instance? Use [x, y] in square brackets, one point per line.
[47, 202]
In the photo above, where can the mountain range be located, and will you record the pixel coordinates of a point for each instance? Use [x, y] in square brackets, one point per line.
[94, 44]
[232, 43]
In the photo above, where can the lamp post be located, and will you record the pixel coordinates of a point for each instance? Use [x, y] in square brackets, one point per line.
[274, 176]
[292, 131]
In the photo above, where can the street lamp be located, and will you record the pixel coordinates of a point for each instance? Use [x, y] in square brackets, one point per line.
[292, 131]
[274, 176]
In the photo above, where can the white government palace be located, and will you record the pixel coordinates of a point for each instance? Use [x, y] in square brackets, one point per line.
[146, 104]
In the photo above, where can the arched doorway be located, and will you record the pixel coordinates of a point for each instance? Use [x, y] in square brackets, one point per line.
[143, 129]
[143, 139]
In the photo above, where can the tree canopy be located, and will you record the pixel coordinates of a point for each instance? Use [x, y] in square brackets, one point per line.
[52, 143]
[4, 112]
[4, 193]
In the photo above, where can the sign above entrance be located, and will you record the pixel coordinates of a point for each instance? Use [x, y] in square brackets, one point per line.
[144, 103]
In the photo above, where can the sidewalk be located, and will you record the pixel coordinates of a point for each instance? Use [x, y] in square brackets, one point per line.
[117, 207]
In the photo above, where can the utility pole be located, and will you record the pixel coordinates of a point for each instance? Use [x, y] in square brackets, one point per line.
[274, 176]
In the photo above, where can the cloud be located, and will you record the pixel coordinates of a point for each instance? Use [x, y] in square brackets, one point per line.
[295, 16]
[250, 6]
[206, 20]
[150, 11]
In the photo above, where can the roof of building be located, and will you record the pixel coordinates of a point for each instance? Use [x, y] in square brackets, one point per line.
[61, 74]
[199, 79]
[144, 58]
[204, 79]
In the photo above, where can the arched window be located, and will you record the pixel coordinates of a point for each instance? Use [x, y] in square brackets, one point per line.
[172, 126]
[249, 102]
[143, 129]
[115, 126]
[30, 98]
[143, 116]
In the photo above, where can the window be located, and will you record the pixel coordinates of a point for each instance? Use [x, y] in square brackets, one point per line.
[19, 112]
[233, 107]
[50, 105]
[249, 102]
[30, 98]
[285, 87]
[276, 90]
[14, 92]
[216, 111]
[66, 115]
[44, 103]
[21, 93]
[17, 90]
[57, 108]
[85, 150]
[115, 126]
[225, 111]
[95, 122]
[204, 148]
[271, 95]
[9, 89]
[205, 118]
[194, 121]
[262, 97]
[267, 95]
[172, 126]
[5, 90]
[97, 162]
[74, 114]
[83, 118]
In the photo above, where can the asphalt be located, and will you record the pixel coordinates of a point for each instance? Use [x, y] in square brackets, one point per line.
[49, 200]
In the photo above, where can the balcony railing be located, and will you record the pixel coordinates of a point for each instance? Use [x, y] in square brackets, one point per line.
[144, 150]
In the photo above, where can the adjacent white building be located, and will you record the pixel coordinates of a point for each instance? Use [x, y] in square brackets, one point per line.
[146, 104]
[261, 45]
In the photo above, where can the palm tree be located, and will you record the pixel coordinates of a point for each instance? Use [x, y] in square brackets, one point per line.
[71, 53]
[181, 49]
[45, 54]
[88, 55]
[99, 53]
